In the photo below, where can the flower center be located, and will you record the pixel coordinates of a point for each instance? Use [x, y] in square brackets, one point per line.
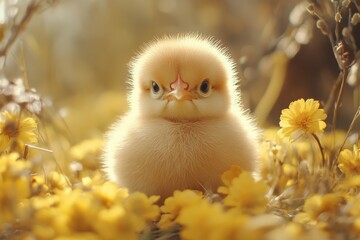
[303, 121]
[10, 129]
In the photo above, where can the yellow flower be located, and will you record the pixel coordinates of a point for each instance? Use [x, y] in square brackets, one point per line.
[209, 221]
[296, 232]
[174, 205]
[200, 220]
[70, 213]
[348, 185]
[227, 178]
[79, 209]
[114, 223]
[87, 152]
[273, 152]
[123, 216]
[63, 214]
[14, 186]
[38, 186]
[302, 117]
[15, 131]
[349, 161]
[94, 180]
[317, 205]
[57, 181]
[354, 206]
[354, 211]
[109, 193]
[247, 195]
[142, 208]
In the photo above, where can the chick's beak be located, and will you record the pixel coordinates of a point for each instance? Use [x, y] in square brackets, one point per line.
[180, 91]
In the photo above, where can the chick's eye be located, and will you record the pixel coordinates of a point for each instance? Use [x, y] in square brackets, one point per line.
[156, 90]
[155, 87]
[204, 88]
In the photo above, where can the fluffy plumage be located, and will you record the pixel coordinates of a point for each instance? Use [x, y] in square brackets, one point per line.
[185, 125]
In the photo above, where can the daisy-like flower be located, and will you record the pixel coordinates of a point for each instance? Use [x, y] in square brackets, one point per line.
[349, 161]
[302, 117]
[316, 206]
[250, 199]
[210, 221]
[109, 193]
[114, 223]
[175, 204]
[15, 131]
[142, 208]
[201, 220]
[227, 177]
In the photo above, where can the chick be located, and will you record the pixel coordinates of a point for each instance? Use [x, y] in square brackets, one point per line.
[185, 125]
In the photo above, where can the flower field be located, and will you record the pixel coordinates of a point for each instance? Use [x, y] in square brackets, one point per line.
[306, 187]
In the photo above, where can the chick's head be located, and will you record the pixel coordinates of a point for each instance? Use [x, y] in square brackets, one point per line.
[183, 78]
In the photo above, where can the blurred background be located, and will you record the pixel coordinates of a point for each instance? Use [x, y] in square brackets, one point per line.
[77, 51]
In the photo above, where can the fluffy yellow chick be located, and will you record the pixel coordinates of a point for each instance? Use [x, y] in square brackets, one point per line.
[185, 125]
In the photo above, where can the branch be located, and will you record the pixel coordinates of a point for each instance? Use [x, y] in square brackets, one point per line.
[17, 28]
